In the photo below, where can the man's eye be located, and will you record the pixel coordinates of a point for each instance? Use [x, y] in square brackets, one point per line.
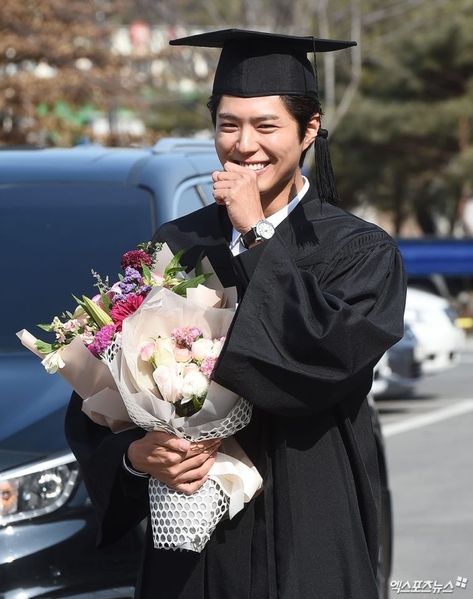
[227, 125]
[267, 126]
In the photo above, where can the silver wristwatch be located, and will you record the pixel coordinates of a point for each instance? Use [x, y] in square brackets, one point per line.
[262, 231]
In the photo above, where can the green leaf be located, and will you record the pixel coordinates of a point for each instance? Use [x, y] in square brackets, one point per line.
[181, 288]
[146, 274]
[197, 402]
[45, 327]
[45, 348]
[105, 301]
[97, 314]
[198, 265]
[174, 265]
[80, 302]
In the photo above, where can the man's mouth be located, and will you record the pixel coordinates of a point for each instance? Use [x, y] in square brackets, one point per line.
[253, 166]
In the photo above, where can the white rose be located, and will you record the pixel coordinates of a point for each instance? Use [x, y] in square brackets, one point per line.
[195, 384]
[169, 382]
[201, 349]
[164, 353]
[217, 347]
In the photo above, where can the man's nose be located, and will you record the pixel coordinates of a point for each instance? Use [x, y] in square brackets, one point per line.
[247, 142]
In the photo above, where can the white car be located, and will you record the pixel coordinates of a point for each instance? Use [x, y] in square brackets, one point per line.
[432, 320]
[398, 371]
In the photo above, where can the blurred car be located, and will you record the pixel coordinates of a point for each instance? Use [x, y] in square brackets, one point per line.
[399, 369]
[433, 322]
[62, 213]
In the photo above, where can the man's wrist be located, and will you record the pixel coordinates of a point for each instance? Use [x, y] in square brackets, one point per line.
[262, 230]
[129, 468]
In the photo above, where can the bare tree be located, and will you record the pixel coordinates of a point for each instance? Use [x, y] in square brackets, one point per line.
[336, 110]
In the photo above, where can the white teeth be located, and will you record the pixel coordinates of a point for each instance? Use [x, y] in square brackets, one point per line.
[255, 166]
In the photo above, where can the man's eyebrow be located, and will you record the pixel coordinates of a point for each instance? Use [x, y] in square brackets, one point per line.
[233, 117]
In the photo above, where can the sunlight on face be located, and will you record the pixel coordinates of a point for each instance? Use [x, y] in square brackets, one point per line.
[260, 134]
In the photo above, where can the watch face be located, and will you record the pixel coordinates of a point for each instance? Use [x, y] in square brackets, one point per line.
[264, 229]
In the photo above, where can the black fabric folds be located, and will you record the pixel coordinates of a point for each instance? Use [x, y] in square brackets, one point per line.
[319, 303]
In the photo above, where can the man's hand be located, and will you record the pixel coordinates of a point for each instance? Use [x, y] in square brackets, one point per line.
[179, 464]
[236, 187]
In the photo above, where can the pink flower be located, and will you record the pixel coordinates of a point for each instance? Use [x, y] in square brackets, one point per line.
[207, 366]
[125, 308]
[103, 339]
[185, 337]
[182, 354]
[147, 351]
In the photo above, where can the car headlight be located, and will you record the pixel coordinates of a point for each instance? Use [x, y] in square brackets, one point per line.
[37, 489]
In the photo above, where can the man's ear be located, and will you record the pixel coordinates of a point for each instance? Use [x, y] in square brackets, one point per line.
[311, 130]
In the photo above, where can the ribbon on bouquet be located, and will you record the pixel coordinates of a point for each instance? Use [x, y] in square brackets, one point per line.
[237, 476]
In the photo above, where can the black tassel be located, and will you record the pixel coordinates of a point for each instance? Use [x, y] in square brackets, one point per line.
[324, 177]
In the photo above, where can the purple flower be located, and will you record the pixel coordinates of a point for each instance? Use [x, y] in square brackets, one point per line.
[103, 339]
[144, 290]
[130, 282]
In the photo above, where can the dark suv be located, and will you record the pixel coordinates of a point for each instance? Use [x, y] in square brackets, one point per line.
[62, 213]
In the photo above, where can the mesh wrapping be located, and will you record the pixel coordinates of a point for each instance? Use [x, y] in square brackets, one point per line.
[181, 521]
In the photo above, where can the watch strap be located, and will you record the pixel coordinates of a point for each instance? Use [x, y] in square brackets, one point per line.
[249, 237]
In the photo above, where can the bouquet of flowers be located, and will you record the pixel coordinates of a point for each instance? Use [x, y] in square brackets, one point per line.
[141, 353]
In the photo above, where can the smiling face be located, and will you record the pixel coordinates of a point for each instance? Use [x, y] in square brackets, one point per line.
[260, 134]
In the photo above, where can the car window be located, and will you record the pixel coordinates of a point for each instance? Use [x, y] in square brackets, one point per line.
[192, 195]
[187, 200]
[206, 189]
[50, 238]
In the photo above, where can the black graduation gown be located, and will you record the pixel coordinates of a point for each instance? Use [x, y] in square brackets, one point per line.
[319, 304]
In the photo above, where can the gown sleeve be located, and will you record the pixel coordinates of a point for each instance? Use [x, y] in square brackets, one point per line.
[305, 338]
[120, 499]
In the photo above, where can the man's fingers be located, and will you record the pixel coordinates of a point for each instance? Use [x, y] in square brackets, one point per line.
[169, 441]
[231, 167]
[236, 170]
[189, 488]
[176, 470]
[227, 175]
[195, 473]
[200, 446]
[223, 184]
[172, 442]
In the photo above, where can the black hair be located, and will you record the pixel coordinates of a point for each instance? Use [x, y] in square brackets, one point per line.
[301, 108]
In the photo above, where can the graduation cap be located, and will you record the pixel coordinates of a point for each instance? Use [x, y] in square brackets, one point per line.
[255, 63]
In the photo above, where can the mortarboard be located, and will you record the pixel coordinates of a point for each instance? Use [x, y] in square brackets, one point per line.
[255, 63]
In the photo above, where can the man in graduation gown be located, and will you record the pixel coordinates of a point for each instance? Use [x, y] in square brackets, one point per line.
[321, 298]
